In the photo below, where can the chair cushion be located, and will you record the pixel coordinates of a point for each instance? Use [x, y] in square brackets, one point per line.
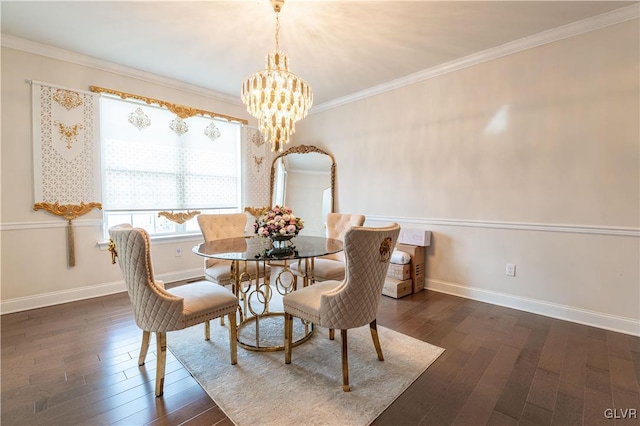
[305, 302]
[328, 269]
[204, 300]
[220, 273]
[324, 269]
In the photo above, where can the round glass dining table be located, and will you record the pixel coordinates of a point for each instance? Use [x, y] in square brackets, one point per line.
[261, 325]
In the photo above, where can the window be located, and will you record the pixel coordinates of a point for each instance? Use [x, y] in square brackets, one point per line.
[153, 161]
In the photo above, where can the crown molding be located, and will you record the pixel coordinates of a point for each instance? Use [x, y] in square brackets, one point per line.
[91, 62]
[556, 34]
[560, 33]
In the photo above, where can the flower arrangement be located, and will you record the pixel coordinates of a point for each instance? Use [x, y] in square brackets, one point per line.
[278, 222]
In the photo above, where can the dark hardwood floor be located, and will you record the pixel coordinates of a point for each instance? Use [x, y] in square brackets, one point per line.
[77, 364]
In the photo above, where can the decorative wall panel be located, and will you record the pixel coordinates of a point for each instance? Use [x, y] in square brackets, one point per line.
[66, 145]
[66, 154]
[258, 159]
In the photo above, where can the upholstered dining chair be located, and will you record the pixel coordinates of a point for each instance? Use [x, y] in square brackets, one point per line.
[157, 310]
[331, 266]
[352, 302]
[220, 226]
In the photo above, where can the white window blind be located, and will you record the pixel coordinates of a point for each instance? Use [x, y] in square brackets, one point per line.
[153, 161]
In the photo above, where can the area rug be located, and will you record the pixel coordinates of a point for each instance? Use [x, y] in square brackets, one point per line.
[262, 390]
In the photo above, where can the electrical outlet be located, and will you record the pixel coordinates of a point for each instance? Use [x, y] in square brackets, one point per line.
[178, 251]
[511, 270]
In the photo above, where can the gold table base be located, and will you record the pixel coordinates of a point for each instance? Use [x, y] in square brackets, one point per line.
[261, 312]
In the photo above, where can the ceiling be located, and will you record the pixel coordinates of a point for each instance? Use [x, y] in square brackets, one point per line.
[339, 47]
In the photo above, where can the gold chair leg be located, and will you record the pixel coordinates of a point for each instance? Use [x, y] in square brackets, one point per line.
[288, 331]
[332, 334]
[345, 362]
[233, 338]
[162, 361]
[376, 341]
[207, 331]
[145, 347]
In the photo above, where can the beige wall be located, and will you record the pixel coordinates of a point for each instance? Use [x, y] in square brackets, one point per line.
[553, 187]
[548, 187]
[34, 268]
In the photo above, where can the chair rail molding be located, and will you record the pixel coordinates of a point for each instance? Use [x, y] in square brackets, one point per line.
[518, 226]
[43, 224]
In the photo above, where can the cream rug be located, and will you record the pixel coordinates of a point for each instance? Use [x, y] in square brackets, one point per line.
[262, 390]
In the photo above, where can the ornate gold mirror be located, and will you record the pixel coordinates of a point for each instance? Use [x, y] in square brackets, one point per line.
[303, 178]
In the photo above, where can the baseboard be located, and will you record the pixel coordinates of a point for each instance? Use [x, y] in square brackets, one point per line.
[55, 298]
[553, 310]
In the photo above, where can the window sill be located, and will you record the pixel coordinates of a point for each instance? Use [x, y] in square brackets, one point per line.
[163, 239]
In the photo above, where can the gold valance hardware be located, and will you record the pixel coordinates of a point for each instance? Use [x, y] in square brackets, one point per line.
[68, 212]
[256, 211]
[181, 111]
[180, 217]
[113, 251]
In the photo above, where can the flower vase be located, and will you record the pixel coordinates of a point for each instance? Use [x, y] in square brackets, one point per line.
[281, 244]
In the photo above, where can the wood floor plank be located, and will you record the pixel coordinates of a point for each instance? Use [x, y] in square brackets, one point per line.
[115, 406]
[517, 336]
[534, 415]
[76, 363]
[499, 419]
[513, 400]
[598, 353]
[453, 398]
[598, 379]
[544, 389]
[618, 345]
[194, 406]
[212, 417]
[422, 396]
[595, 405]
[636, 364]
[574, 371]
[552, 356]
[144, 409]
[623, 375]
[569, 410]
[479, 406]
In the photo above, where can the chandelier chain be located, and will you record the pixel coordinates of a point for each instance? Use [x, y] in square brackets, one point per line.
[277, 31]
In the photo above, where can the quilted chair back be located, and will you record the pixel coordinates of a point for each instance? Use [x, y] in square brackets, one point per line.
[337, 226]
[220, 226]
[154, 309]
[355, 302]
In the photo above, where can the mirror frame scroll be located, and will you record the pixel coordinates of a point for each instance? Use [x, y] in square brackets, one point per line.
[306, 149]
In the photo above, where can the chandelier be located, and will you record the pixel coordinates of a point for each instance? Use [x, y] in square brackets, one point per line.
[275, 96]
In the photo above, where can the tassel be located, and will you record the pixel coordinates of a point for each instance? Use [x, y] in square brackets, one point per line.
[70, 245]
